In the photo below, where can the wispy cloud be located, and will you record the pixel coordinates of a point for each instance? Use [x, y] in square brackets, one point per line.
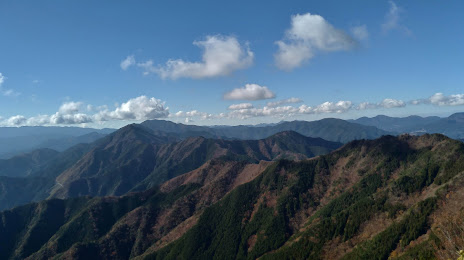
[127, 62]
[10, 93]
[250, 92]
[309, 34]
[392, 19]
[360, 32]
[222, 55]
[7, 92]
[292, 100]
[240, 106]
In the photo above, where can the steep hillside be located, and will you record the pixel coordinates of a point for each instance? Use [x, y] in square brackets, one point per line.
[40, 180]
[394, 197]
[370, 200]
[24, 164]
[330, 129]
[135, 159]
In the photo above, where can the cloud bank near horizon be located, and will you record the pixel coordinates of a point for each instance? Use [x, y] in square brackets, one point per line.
[148, 108]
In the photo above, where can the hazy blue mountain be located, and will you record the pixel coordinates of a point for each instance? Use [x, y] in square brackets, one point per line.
[24, 164]
[397, 124]
[16, 140]
[133, 158]
[136, 158]
[39, 179]
[330, 129]
[49, 130]
[452, 126]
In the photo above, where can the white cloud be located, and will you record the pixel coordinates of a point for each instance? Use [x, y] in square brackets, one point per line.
[140, 108]
[439, 99]
[292, 55]
[7, 92]
[333, 107]
[240, 106]
[10, 93]
[70, 107]
[250, 92]
[360, 32]
[292, 100]
[193, 113]
[392, 20]
[147, 67]
[392, 103]
[386, 103]
[222, 55]
[367, 105]
[288, 111]
[127, 62]
[68, 119]
[16, 120]
[308, 34]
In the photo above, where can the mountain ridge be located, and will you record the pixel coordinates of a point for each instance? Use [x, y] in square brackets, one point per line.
[391, 189]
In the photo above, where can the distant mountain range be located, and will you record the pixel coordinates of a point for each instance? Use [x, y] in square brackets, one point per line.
[279, 191]
[136, 158]
[16, 140]
[452, 126]
[330, 129]
[393, 197]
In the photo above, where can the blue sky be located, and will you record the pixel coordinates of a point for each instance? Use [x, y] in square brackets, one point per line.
[62, 62]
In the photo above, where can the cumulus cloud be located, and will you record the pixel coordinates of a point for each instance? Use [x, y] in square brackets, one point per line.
[439, 99]
[250, 92]
[70, 107]
[67, 119]
[240, 106]
[386, 103]
[127, 62]
[139, 108]
[360, 32]
[222, 55]
[2, 79]
[308, 34]
[193, 113]
[288, 111]
[333, 107]
[16, 120]
[392, 19]
[292, 100]
[392, 103]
